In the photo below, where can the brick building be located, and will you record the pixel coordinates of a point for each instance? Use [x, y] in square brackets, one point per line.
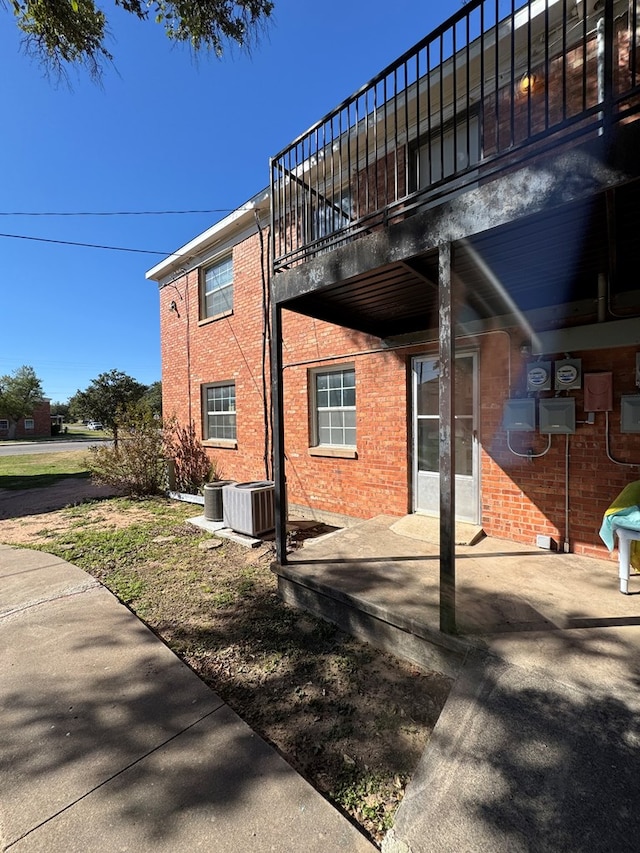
[37, 425]
[452, 309]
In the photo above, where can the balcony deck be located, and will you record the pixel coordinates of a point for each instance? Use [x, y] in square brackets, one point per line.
[495, 85]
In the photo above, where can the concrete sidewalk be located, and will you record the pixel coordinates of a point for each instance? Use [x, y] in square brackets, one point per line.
[110, 743]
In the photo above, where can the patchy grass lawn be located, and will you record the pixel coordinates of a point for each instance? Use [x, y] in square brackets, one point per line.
[352, 720]
[41, 469]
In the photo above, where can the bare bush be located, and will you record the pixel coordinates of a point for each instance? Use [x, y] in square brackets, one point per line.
[193, 467]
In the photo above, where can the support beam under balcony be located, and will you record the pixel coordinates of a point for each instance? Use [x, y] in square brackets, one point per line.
[279, 475]
[446, 392]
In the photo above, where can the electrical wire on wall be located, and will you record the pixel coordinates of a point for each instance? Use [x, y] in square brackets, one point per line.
[610, 457]
[530, 454]
[566, 494]
[267, 412]
[184, 272]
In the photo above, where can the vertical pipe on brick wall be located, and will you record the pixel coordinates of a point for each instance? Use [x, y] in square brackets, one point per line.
[567, 542]
[446, 397]
[607, 73]
[602, 297]
[278, 434]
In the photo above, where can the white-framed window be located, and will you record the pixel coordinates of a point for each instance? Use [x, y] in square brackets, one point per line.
[334, 407]
[4, 423]
[217, 288]
[219, 411]
[29, 423]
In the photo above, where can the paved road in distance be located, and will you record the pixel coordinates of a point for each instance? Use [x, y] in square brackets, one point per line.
[21, 449]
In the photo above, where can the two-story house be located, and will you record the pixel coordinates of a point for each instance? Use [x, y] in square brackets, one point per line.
[444, 271]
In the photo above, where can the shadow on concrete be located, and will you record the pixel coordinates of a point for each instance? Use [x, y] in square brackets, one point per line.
[522, 761]
[106, 731]
[18, 503]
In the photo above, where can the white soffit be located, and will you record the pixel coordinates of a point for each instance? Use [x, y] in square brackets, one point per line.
[221, 231]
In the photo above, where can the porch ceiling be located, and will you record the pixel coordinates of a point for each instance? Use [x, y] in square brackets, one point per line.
[547, 261]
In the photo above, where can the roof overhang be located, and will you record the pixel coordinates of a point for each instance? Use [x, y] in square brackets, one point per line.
[228, 230]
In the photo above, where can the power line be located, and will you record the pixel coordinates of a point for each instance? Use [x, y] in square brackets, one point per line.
[89, 245]
[115, 212]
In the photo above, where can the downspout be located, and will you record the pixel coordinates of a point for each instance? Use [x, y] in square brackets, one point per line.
[600, 45]
[603, 292]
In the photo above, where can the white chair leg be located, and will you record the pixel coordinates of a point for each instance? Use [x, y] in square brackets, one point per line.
[624, 559]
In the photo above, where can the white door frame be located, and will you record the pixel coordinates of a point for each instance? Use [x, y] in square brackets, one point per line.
[426, 484]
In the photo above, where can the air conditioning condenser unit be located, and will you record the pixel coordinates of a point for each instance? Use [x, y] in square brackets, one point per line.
[249, 508]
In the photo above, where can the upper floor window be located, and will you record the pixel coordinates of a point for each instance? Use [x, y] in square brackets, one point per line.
[217, 288]
[448, 151]
[330, 214]
[334, 417]
[219, 411]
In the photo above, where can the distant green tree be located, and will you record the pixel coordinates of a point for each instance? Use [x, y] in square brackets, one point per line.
[20, 393]
[64, 33]
[153, 397]
[60, 409]
[106, 397]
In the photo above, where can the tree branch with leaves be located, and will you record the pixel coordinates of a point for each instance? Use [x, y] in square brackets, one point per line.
[20, 393]
[66, 33]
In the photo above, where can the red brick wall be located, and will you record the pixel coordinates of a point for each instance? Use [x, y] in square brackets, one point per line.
[41, 426]
[520, 497]
[195, 353]
[375, 482]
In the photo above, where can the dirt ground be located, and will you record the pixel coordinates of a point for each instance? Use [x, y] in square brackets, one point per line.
[351, 719]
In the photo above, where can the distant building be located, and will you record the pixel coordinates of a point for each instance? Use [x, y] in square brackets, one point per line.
[36, 425]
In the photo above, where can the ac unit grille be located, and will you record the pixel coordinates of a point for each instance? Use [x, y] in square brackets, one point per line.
[249, 508]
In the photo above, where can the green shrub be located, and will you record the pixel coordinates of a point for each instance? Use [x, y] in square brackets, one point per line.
[136, 465]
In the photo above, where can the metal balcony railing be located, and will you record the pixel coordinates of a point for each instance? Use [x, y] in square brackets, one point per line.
[500, 81]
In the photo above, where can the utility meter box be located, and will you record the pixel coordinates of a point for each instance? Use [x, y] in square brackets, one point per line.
[519, 415]
[558, 416]
[568, 374]
[630, 413]
[539, 376]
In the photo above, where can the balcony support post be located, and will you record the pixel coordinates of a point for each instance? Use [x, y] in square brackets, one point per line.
[446, 397]
[278, 434]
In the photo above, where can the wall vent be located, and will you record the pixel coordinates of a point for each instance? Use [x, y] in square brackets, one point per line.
[249, 508]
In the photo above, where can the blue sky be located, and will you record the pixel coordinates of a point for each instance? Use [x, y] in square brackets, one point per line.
[164, 131]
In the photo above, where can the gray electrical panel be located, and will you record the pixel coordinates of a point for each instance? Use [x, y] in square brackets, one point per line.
[630, 413]
[558, 416]
[519, 415]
